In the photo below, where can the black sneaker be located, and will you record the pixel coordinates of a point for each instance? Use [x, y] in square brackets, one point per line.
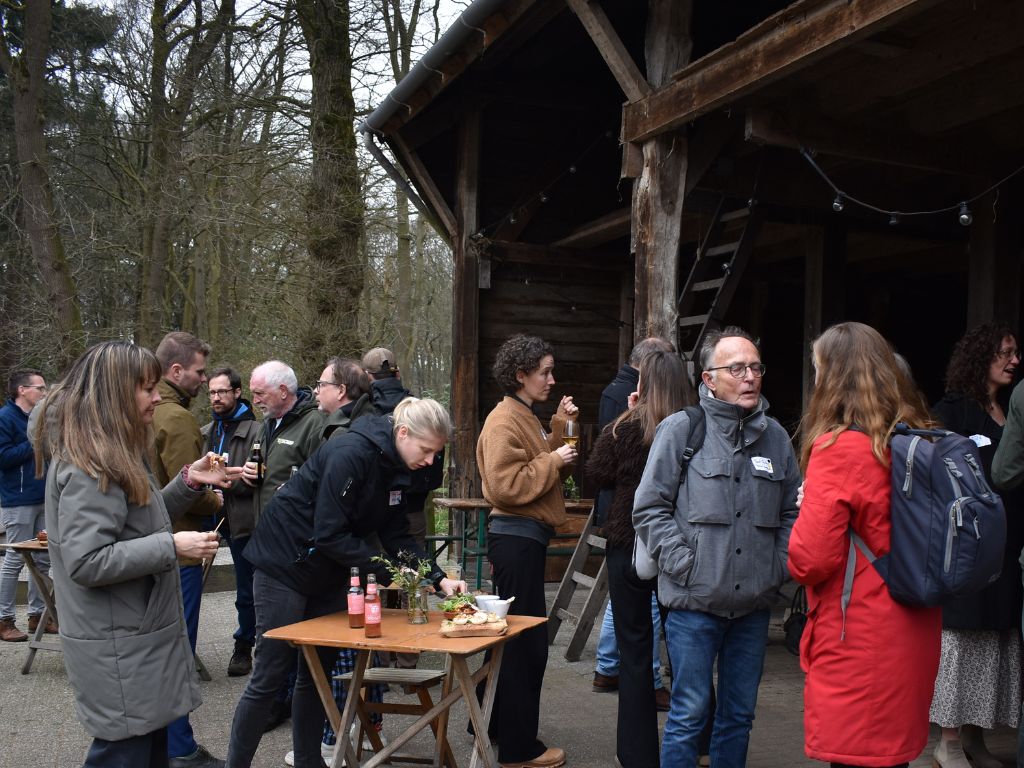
[241, 660]
[198, 759]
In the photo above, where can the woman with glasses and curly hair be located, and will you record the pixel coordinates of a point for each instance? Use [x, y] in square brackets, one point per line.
[979, 681]
[521, 469]
[870, 666]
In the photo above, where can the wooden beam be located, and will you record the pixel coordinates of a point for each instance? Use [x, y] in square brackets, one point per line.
[614, 53]
[993, 270]
[466, 311]
[824, 297]
[767, 126]
[602, 230]
[791, 40]
[424, 182]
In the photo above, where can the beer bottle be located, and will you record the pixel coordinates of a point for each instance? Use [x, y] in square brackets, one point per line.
[257, 458]
[355, 601]
[372, 607]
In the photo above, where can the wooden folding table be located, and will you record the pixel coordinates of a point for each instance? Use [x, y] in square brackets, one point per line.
[44, 585]
[398, 635]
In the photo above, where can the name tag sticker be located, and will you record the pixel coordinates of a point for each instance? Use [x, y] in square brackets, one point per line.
[395, 499]
[762, 464]
[283, 441]
[981, 441]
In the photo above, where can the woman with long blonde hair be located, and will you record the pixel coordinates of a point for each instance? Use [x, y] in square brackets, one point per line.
[869, 670]
[617, 463]
[113, 555]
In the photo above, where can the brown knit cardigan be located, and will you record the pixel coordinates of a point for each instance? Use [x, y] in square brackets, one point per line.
[617, 462]
[520, 474]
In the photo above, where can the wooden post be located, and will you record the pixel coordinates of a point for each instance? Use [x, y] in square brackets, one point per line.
[824, 259]
[659, 192]
[465, 312]
[993, 267]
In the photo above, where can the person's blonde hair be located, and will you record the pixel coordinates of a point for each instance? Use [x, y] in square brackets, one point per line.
[91, 418]
[664, 389]
[859, 384]
[422, 417]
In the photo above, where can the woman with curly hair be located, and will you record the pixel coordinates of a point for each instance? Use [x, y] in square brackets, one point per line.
[617, 463]
[870, 664]
[979, 681]
[521, 469]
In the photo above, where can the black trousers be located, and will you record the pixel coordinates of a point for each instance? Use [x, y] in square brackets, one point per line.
[519, 571]
[636, 741]
[146, 751]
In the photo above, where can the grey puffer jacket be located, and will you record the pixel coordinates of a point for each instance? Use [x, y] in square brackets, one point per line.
[118, 594]
[720, 539]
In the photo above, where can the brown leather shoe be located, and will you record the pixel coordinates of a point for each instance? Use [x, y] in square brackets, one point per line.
[33, 625]
[553, 757]
[10, 633]
[662, 699]
[605, 683]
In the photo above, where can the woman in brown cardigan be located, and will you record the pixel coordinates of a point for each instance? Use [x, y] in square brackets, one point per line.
[521, 467]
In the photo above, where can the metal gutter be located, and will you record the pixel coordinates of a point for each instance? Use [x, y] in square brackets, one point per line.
[466, 26]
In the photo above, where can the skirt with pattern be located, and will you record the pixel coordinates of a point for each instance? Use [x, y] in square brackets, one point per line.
[979, 680]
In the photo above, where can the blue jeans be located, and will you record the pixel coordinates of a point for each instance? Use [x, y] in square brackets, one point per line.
[180, 741]
[608, 648]
[695, 639]
[22, 523]
[244, 607]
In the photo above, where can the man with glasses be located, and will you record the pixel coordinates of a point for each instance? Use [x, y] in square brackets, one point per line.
[720, 536]
[233, 431]
[342, 384]
[21, 499]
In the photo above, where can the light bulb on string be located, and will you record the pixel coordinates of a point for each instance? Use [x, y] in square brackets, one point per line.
[965, 217]
[543, 197]
[838, 204]
[511, 218]
[572, 169]
[894, 219]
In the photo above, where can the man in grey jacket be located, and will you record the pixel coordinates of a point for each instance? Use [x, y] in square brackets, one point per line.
[720, 539]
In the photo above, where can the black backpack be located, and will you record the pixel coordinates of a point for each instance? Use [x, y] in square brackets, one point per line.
[948, 525]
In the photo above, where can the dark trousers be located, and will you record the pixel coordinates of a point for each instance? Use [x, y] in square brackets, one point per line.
[246, 631]
[278, 605]
[519, 571]
[636, 742]
[180, 740]
[147, 751]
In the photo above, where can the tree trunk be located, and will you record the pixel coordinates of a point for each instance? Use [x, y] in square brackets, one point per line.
[26, 74]
[334, 204]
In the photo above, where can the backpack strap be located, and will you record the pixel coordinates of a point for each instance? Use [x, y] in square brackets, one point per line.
[856, 542]
[694, 441]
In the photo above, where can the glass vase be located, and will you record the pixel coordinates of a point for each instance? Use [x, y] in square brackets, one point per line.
[416, 604]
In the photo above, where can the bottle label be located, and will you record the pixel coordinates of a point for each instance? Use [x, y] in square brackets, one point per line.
[355, 603]
[373, 612]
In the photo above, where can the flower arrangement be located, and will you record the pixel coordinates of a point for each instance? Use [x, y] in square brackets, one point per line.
[409, 574]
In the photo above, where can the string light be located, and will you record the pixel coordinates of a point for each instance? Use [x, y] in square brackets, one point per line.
[966, 217]
[961, 209]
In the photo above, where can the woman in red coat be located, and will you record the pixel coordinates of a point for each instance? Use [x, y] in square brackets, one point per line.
[869, 675]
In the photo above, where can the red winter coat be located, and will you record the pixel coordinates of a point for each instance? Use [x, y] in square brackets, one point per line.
[866, 696]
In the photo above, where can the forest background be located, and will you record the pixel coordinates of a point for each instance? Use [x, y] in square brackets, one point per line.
[194, 165]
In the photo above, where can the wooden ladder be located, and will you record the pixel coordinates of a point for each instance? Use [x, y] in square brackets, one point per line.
[716, 273]
[574, 578]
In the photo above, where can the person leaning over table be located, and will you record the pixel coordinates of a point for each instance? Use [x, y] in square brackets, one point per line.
[318, 526]
[521, 470]
[114, 558]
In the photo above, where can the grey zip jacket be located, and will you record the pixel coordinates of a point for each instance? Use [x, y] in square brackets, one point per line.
[720, 539]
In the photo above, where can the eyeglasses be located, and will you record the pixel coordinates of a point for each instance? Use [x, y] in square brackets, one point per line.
[739, 370]
[323, 383]
[1008, 354]
[220, 392]
[40, 387]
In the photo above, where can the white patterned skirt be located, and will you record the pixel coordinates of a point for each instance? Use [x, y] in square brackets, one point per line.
[979, 680]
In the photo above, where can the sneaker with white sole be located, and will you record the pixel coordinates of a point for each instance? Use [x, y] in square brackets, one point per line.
[326, 752]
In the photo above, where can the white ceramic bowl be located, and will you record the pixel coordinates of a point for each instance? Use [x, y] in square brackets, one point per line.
[499, 608]
[484, 602]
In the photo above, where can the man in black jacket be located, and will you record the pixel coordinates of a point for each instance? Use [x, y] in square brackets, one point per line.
[233, 431]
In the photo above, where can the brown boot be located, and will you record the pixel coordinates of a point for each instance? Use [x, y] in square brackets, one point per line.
[10, 633]
[33, 625]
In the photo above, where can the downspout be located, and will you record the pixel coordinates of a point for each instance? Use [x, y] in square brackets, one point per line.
[396, 176]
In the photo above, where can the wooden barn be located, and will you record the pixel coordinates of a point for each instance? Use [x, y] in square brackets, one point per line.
[608, 169]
